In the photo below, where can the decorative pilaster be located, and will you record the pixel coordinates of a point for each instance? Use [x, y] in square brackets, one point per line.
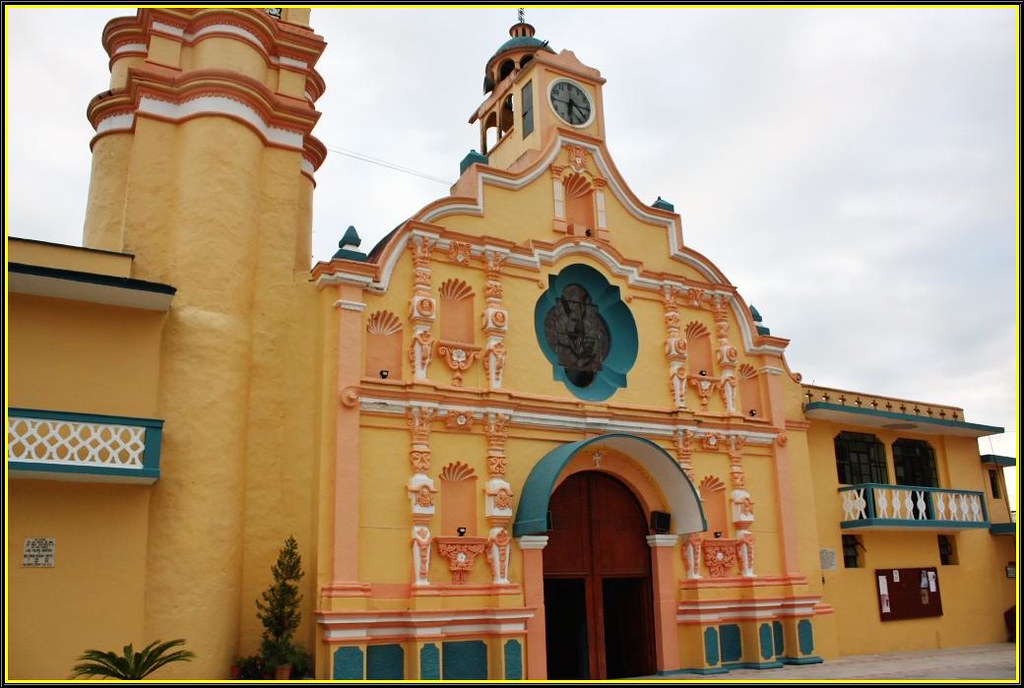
[499, 501]
[675, 347]
[726, 354]
[742, 506]
[684, 451]
[531, 547]
[495, 320]
[421, 493]
[692, 543]
[665, 603]
[692, 547]
[422, 307]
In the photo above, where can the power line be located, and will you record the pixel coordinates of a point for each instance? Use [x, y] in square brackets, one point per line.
[384, 163]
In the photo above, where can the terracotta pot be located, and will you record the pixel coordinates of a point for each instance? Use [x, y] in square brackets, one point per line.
[236, 671]
[283, 672]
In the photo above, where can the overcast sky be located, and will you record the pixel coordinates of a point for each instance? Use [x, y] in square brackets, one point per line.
[852, 171]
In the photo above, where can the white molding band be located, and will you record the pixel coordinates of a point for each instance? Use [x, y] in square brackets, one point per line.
[549, 420]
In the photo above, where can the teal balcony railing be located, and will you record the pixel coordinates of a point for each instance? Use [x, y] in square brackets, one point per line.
[82, 446]
[872, 505]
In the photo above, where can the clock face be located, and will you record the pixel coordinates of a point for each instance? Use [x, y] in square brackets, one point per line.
[570, 102]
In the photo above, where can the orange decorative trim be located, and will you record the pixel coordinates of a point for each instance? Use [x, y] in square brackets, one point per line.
[459, 252]
[457, 471]
[461, 553]
[345, 590]
[743, 582]
[459, 357]
[467, 590]
[719, 557]
[460, 420]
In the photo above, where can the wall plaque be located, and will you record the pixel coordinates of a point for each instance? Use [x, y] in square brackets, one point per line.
[39, 552]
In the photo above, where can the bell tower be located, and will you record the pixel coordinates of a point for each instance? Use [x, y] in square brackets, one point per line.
[206, 130]
[203, 169]
[532, 93]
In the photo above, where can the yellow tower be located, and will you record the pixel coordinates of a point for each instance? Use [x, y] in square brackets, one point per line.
[203, 165]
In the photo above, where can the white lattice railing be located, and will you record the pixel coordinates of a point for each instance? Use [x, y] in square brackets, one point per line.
[70, 443]
[871, 504]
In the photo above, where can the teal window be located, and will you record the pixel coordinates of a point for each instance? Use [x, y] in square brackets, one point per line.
[860, 458]
[914, 461]
[527, 101]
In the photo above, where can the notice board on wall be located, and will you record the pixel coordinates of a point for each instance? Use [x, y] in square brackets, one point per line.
[908, 593]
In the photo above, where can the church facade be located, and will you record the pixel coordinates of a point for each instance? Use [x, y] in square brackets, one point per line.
[532, 434]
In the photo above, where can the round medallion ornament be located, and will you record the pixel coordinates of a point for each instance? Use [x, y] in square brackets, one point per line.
[586, 332]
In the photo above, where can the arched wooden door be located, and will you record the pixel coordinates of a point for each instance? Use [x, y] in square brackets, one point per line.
[597, 582]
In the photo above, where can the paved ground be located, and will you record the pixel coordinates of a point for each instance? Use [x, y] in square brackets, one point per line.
[978, 663]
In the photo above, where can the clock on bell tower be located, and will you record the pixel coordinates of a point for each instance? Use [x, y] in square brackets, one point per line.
[533, 93]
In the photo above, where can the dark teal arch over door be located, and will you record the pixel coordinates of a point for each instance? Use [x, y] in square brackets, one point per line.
[684, 504]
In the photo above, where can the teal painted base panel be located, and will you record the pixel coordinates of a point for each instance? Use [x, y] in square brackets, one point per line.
[753, 665]
[703, 672]
[801, 660]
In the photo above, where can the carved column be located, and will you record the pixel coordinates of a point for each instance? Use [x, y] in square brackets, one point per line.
[742, 506]
[675, 347]
[422, 307]
[421, 493]
[495, 320]
[499, 501]
[725, 353]
[693, 542]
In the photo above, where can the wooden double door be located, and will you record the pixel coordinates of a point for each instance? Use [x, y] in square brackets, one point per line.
[597, 582]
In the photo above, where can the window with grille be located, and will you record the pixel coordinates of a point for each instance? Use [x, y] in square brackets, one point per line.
[993, 481]
[914, 461]
[947, 551]
[852, 549]
[860, 458]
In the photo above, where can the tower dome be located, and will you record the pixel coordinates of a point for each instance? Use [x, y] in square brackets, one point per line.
[513, 53]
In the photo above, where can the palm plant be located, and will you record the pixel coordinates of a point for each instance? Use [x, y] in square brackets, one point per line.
[132, 665]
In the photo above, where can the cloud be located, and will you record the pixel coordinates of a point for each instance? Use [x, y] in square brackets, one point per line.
[851, 170]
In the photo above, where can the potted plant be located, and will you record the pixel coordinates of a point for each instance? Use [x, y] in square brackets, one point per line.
[252, 667]
[132, 665]
[278, 609]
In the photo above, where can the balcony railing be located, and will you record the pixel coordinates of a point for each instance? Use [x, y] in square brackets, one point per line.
[80, 446]
[872, 505]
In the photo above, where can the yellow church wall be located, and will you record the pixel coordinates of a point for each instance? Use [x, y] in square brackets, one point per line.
[119, 67]
[228, 52]
[105, 204]
[254, 436]
[98, 581]
[971, 613]
[100, 359]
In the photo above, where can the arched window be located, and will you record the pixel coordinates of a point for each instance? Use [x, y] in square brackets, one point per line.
[456, 311]
[698, 350]
[384, 345]
[458, 499]
[750, 392]
[506, 120]
[579, 204]
[507, 67]
[914, 463]
[860, 458]
[712, 497]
